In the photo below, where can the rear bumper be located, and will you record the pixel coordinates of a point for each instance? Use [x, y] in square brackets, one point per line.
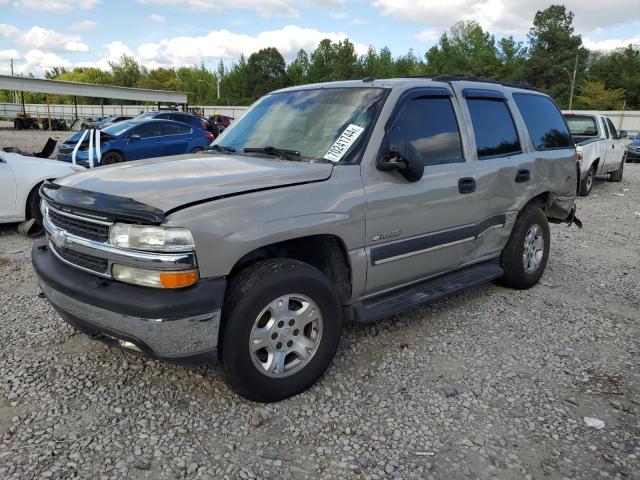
[177, 325]
[633, 156]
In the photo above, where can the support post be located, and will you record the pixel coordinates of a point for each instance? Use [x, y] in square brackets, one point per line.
[75, 107]
[49, 112]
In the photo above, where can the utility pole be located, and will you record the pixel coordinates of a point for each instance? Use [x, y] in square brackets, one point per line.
[573, 81]
[218, 77]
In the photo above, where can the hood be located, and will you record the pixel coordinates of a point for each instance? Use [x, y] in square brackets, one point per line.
[171, 182]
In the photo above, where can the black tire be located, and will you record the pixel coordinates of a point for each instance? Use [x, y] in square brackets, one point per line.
[110, 158]
[617, 175]
[248, 294]
[586, 185]
[33, 211]
[512, 261]
[197, 150]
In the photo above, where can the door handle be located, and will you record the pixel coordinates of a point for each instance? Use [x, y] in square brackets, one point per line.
[523, 176]
[466, 185]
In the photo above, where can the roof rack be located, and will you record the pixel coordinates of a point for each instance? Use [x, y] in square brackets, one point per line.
[448, 78]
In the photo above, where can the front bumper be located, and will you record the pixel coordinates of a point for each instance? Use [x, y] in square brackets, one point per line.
[177, 325]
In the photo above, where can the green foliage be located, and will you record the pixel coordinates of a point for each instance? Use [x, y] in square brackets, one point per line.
[594, 95]
[547, 62]
[553, 51]
[266, 71]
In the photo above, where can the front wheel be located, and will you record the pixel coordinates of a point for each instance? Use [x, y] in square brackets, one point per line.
[281, 327]
[617, 175]
[587, 184]
[524, 258]
[110, 158]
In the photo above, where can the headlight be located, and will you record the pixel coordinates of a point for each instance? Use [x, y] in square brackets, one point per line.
[44, 209]
[154, 278]
[150, 238]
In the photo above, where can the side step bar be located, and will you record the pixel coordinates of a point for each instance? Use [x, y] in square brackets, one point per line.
[406, 298]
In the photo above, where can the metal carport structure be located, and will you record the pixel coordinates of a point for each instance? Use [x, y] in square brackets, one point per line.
[76, 89]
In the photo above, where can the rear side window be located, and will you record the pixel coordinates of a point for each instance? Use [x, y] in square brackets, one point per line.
[493, 126]
[544, 122]
[429, 125]
[168, 129]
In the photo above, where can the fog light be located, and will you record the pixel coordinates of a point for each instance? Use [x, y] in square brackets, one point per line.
[154, 278]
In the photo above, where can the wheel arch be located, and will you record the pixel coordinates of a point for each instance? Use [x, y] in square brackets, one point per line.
[326, 252]
[34, 187]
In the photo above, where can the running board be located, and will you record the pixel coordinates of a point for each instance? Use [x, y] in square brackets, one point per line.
[387, 304]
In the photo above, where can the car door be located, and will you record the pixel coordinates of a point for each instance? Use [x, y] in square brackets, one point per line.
[503, 173]
[615, 147]
[419, 229]
[8, 189]
[177, 138]
[144, 141]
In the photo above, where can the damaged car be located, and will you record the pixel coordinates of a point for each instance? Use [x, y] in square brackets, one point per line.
[326, 203]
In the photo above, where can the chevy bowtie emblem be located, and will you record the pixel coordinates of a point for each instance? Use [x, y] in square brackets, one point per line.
[59, 239]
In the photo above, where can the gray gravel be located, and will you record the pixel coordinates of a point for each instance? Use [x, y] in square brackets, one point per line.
[488, 383]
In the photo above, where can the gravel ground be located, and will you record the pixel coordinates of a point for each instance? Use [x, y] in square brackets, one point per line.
[28, 140]
[487, 383]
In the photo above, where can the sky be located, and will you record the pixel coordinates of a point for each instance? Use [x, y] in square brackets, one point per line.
[41, 34]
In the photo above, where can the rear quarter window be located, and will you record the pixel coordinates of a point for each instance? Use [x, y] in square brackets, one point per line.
[544, 122]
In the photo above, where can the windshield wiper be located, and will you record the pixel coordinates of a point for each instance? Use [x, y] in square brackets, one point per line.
[220, 148]
[277, 152]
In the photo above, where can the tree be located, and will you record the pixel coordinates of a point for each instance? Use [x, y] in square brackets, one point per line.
[321, 62]
[298, 70]
[266, 71]
[595, 96]
[553, 48]
[513, 60]
[125, 72]
[467, 50]
[619, 69]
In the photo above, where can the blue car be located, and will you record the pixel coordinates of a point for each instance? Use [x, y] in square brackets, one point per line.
[633, 150]
[193, 120]
[137, 139]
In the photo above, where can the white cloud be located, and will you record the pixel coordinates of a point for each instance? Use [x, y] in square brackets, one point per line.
[358, 21]
[192, 50]
[429, 36]
[83, 26]
[41, 38]
[60, 6]
[267, 8]
[36, 61]
[338, 14]
[506, 17]
[8, 30]
[9, 54]
[611, 44]
[157, 18]
[111, 52]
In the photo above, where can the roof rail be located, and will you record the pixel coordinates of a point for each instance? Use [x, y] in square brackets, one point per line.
[448, 78]
[471, 78]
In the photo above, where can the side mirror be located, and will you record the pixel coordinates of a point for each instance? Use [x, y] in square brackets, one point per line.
[623, 134]
[134, 138]
[408, 164]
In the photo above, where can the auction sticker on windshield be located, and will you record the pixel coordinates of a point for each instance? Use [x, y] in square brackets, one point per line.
[343, 143]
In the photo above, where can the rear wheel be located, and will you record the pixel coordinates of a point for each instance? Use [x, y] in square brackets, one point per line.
[110, 158]
[587, 184]
[617, 175]
[281, 327]
[197, 150]
[524, 258]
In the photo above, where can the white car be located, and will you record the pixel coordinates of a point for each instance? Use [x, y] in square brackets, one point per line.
[599, 146]
[20, 179]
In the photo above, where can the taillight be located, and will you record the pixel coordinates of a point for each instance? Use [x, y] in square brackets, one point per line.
[208, 136]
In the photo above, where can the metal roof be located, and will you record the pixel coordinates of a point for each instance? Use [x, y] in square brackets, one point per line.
[58, 87]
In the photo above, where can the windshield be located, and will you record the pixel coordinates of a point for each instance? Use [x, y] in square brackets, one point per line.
[307, 121]
[582, 125]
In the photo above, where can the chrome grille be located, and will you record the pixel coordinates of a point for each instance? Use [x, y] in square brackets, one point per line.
[88, 262]
[81, 228]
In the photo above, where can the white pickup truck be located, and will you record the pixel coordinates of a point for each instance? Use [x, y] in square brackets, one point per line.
[600, 149]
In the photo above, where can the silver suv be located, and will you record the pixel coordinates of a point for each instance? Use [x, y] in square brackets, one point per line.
[323, 203]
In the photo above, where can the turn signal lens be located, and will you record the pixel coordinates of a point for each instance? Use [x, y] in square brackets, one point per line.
[579, 153]
[178, 279]
[154, 278]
